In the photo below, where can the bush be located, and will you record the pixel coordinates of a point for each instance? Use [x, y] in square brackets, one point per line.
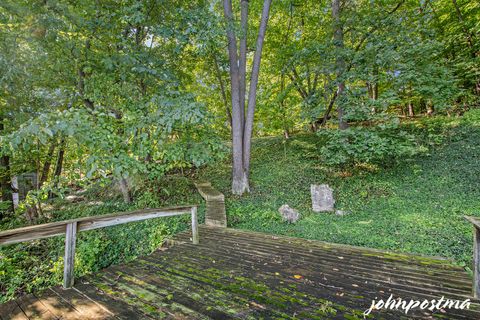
[357, 145]
[472, 116]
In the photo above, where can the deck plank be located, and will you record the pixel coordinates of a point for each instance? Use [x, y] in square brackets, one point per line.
[87, 308]
[365, 271]
[119, 308]
[328, 290]
[57, 306]
[238, 274]
[11, 310]
[34, 309]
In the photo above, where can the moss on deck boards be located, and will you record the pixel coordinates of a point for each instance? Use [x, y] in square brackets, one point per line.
[234, 274]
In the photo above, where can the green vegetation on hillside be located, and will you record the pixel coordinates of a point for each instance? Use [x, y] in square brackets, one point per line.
[415, 205]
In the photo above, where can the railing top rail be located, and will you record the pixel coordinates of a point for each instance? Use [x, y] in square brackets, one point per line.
[52, 229]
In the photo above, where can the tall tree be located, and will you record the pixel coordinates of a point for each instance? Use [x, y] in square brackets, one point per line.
[242, 122]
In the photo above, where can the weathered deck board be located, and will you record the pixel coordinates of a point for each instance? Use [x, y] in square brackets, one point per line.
[235, 274]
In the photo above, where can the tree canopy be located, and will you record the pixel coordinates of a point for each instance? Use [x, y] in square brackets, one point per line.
[108, 89]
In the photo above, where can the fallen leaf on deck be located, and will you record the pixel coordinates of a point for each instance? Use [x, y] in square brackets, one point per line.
[257, 305]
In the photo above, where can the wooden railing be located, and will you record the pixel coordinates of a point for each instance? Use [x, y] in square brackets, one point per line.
[71, 227]
[476, 254]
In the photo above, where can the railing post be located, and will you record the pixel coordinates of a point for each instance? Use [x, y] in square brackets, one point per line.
[69, 259]
[194, 225]
[476, 261]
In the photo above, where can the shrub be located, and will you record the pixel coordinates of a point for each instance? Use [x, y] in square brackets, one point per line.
[472, 116]
[357, 145]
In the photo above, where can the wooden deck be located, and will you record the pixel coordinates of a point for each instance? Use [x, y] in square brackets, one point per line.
[235, 274]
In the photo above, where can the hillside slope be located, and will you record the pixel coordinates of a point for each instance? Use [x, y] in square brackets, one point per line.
[414, 206]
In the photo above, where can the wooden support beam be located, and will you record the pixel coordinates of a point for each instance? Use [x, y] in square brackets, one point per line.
[69, 259]
[195, 239]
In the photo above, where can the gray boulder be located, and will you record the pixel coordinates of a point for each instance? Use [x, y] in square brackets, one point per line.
[322, 198]
[289, 214]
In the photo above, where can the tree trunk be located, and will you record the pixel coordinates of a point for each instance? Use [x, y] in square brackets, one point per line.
[329, 108]
[411, 112]
[222, 90]
[58, 166]
[239, 181]
[242, 126]
[430, 108]
[242, 63]
[252, 93]
[5, 175]
[15, 195]
[81, 82]
[340, 61]
[6, 179]
[282, 106]
[47, 164]
[81, 89]
[370, 90]
[375, 96]
[124, 188]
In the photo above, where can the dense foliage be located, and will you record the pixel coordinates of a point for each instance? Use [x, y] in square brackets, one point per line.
[123, 95]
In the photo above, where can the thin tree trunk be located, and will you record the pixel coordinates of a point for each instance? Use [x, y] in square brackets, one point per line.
[15, 195]
[81, 89]
[6, 186]
[124, 188]
[58, 166]
[81, 82]
[243, 57]
[252, 93]
[374, 90]
[370, 90]
[411, 112]
[342, 124]
[239, 181]
[282, 106]
[375, 83]
[340, 61]
[430, 108]
[6, 179]
[5, 175]
[329, 108]
[222, 89]
[298, 86]
[47, 164]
